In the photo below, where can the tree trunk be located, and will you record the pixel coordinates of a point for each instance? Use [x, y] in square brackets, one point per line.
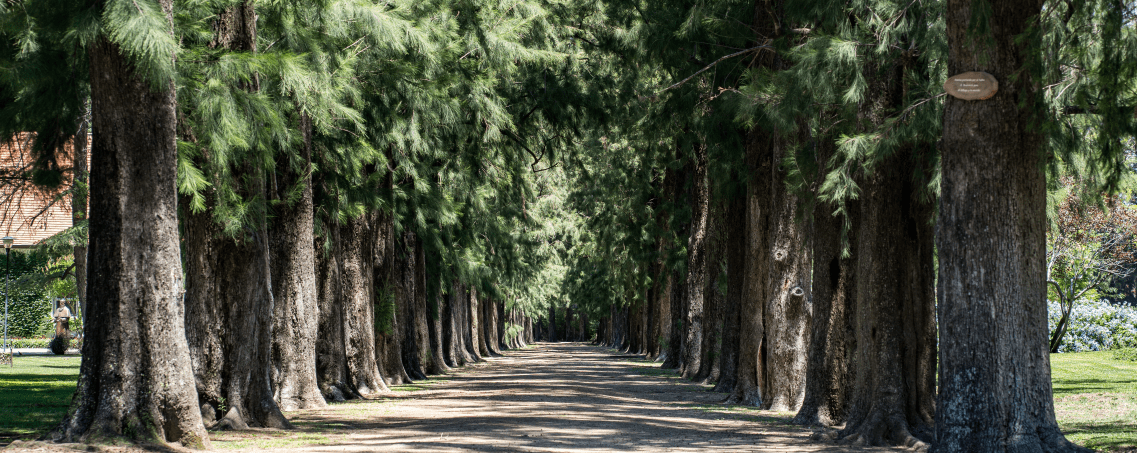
[735, 250]
[499, 326]
[636, 327]
[652, 332]
[135, 379]
[712, 322]
[438, 351]
[748, 390]
[79, 204]
[294, 284]
[451, 332]
[429, 352]
[677, 297]
[489, 326]
[994, 371]
[409, 309]
[529, 336]
[831, 347]
[468, 321]
[331, 355]
[229, 306]
[389, 305]
[552, 323]
[358, 286]
[789, 303]
[478, 319]
[894, 361]
[229, 299]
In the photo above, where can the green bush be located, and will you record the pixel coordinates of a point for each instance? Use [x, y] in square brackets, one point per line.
[40, 342]
[28, 313]
[28, 308]
[1129, 354]
[29, 342]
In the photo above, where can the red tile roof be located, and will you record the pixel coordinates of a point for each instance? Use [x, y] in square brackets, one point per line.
[27, 212]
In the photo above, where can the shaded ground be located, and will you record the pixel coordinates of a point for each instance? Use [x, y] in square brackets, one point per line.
[551, 397]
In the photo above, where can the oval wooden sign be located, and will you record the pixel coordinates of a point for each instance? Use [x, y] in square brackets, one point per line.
[972, 86]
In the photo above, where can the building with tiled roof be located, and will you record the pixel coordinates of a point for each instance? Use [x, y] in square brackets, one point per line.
[30, 213]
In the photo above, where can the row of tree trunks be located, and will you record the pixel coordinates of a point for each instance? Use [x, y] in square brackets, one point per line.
[271, 317]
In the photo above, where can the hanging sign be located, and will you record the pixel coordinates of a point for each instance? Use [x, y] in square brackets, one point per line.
[972, 86]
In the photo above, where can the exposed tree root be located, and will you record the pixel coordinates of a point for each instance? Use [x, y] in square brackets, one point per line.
[745, 397]
[885, 428]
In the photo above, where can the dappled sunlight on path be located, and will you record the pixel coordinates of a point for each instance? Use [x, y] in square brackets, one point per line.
[551, 397]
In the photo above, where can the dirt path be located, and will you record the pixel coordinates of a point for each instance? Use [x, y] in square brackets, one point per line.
[552, 397]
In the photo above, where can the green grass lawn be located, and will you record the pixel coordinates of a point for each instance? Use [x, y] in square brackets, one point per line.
[1095, 399]
[35, 394]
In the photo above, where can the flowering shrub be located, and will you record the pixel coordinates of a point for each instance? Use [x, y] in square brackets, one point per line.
[1096, 326]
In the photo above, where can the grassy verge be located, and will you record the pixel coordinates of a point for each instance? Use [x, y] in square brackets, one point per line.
[34, 395]
[1095, 399]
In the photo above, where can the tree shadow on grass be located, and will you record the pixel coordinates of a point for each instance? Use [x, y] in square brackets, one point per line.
[1110, 436]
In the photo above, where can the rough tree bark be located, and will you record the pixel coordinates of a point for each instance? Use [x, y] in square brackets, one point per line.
[477, 316]
[135, 378]
[438, 351]
[388, 278]
[828, 375]
[406, 297]
[229, 300]
[635, 328]
[430, 355]
[357, 283]
[655, 301]
[712, 299]
[499, 326]
[789, 303]
[489, 326]
[79, 204]
[229, 308]
[451, 325]
[994, 370]
[891, 397]
[751, 376]
[735, 250]
[696, 265]
[468, 331]
[390, 317]
[552, 323]
[678, 298]
[293, 263]
[331, 356]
